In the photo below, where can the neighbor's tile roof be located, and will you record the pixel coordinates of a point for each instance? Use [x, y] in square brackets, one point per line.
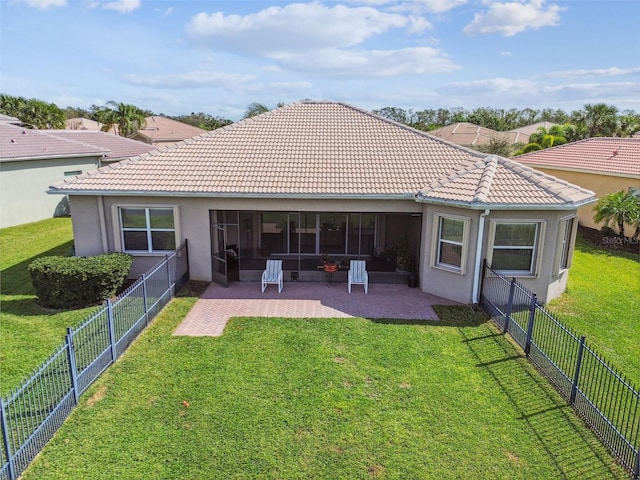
[619, 156]
[472, 135]
[160, 129]
[20, 143]
[320, 149]
[116, 147]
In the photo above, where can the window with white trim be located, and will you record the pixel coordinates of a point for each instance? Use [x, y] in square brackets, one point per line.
[450, 242]
[146, 229]
[515, 246]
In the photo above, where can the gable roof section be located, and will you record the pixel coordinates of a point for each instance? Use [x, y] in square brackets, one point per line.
[611, 156]
[20, 143]
[116, 147]
[316, 150]
[163, 129]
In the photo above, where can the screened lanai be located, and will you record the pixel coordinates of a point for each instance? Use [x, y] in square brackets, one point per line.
[241, 242]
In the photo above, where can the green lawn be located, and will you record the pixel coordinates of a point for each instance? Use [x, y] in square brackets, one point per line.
[323, 398]
[29, 333]
[602, 302]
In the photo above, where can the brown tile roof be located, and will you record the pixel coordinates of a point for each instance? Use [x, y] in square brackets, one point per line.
[163, 129]
[322, 149]
[472, 135]
[116, 147]
[20, 143]
[617, 156]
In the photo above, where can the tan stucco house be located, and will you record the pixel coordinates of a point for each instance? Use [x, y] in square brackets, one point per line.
[162, 131]
[323, 178]
[601, 164]
[30, 160]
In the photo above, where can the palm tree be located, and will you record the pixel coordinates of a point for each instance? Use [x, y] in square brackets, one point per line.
[255, 109]
[618, 208]
[127, 118]
[599, 120]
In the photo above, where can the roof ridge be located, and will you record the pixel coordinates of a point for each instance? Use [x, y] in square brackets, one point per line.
[486, 179]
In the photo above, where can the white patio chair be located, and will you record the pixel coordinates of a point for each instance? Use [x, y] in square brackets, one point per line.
[358, 274]
[273, 275]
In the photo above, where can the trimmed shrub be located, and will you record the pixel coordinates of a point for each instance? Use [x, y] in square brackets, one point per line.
[73, 282]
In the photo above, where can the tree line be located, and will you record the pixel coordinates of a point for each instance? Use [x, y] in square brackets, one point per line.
[593, 120]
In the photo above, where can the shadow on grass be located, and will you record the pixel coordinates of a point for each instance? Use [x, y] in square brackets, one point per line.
[576, 453]
[450, 316]
[16, 279]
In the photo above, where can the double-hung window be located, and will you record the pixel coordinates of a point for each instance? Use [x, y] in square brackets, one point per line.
[147, 229]
[450, 242]
[515, 247]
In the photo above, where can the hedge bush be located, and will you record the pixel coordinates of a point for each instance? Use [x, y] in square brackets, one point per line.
[73, 282]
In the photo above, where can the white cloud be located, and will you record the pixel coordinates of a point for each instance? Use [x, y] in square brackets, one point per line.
[46, 3]
[122, 6]
[506, 54]
[527, 93]
[373, 63]
[433, 6]
[196, 79]
[597, 72]
[511, 18]
[296, 27]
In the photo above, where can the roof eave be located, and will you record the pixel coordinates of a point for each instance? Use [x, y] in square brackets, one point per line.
[262, 196]
[505, 206]
[54, 157]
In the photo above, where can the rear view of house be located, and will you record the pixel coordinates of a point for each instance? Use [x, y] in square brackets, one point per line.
[313, 179]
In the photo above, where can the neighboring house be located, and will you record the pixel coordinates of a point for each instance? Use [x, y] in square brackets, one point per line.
[523, 133]
[472, 135]
[117, 148]
[30, 160]
[7, 119]
[321, 178]
[162, 131]
[601, 164]
[80, 123]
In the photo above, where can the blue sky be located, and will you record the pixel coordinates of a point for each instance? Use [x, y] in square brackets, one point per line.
[177, 57]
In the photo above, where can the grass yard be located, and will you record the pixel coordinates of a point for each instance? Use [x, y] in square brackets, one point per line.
[323, 398]
[602, 302]
[28, 332]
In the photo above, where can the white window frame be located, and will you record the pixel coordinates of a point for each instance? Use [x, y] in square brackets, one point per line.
[437, 240]
[536, 248]
[119, 230]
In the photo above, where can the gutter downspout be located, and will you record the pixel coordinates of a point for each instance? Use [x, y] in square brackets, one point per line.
[476, 270]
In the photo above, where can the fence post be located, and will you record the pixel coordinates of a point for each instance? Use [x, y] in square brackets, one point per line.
[112, 331]
[636, 470]
[576, 376]
[72, 364]
[144, 298]
[532, 315]
[166, 259]
[5, 437]
[507, 317]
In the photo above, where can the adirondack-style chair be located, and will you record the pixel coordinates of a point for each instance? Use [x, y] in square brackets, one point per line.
[358, 274]
[273, 275]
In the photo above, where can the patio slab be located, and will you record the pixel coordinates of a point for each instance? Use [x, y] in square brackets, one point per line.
[217, 304]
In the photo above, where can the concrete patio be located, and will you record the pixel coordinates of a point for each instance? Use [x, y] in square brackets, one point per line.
[210, 314]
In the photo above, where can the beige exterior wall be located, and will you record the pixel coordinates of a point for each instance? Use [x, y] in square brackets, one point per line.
[548, 282]
[24, 185]
[600, 183]
[193, 223]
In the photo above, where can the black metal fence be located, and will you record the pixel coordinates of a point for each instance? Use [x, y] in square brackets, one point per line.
[34, 411]
[607, 401]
